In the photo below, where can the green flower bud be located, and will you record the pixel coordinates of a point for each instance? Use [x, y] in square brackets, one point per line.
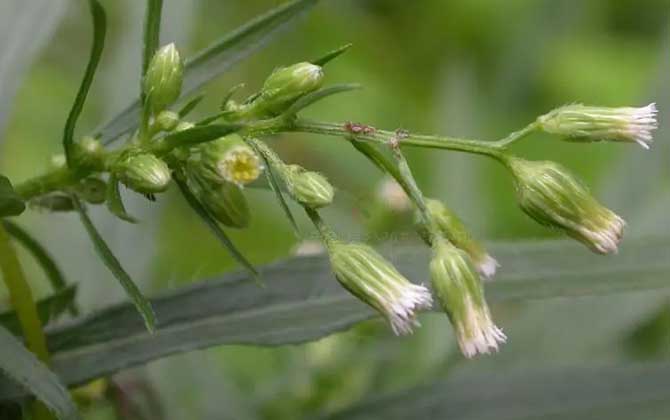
[167, 120]
[184, 125]
[230, 159]
[226, 202]
[285, 85]
[372, 279]
[162, 83]
[460, 293]
[589, 123]
[89, 152]
[453, 229]
[57, 161]
[307, 187]
[549, 194]
[92, 190]
[144, 173]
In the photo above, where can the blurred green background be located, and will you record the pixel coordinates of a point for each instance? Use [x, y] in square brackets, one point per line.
[478, 69]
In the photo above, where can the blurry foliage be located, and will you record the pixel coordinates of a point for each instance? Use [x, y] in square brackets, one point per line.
[469, 68]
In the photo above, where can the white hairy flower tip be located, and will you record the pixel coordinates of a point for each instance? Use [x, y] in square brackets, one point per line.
[487, 267]
[240, 166]
[641, 123]
[392, 194]
[478, 334]
[307, 248]
[405, 305]
[606, 240]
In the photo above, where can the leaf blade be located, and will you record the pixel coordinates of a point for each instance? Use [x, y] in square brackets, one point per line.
[11, 204]
[48, 309]
[99, 31]
[152, 27]
[218, 58]
[112, 263]
[24, 368]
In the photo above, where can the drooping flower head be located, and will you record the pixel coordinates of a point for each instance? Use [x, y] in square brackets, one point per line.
[590, 123]
[308, 188]
[460, 293]
[163, 81]
[549, 194]
[372, 279]
[454, 230]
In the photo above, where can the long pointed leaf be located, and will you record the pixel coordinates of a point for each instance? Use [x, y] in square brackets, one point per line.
[24, 368]
[214, 227]
[318, 95]
[218, 58]
[54, 274]
[99, 30]
[579, 393]
[112, 263]
[115, 202]
[303, 302]
[328, 57]
[152, 29]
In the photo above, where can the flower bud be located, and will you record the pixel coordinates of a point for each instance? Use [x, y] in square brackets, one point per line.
[285, 85]
[144, 173]
[455, 231]
[226, 203]
[162, 83]
[89, 152]
[308, 188]
[460, 293]
[230, 159]
[372, 279]
[184, 125]
[57, 161]
[549, 194]
[167, 120]
[589, 123]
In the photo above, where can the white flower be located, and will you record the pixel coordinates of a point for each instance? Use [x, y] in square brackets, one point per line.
[477, 334]
[487, 266]
[372, 279]
[590, 123]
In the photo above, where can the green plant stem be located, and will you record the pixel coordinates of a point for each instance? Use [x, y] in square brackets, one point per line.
[518, 135]
[60, 179]
[23, 303]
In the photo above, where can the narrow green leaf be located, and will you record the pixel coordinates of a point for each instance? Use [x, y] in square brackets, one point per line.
[99, 30]
[24, 368]
[218, 58]
[11, 204]
[152, 30]
[276, 188]
[115, 202]
[112, 263]
[577, 393]
[214, 227]
[193, 136]
[323, 60]
[318, 95]
[190, 105]
[48, 309]
[46, 261]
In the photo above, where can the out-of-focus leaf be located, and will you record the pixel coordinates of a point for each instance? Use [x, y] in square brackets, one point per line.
[219, 57]
[48, 309]
[99, 31]
[24, 368]
[25, 26]
[11, 204]
[115, 202]
[54, 274]
[316, 96]
[325, 59]
[152, 28]
[141, 303]
[214, 227]
[613, 393]
[302, 302]
[190, 105]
